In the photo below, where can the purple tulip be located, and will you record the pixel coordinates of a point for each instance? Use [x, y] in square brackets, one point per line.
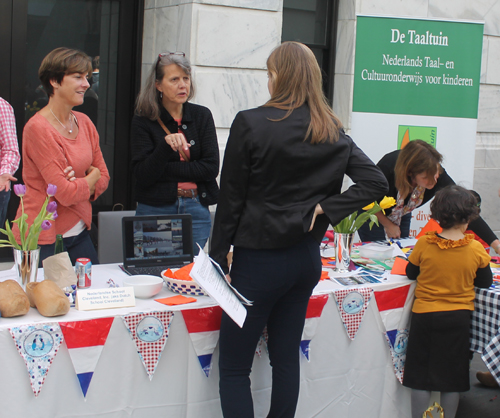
[20, 189]
[46, 225]
[54, 215]
[51, 207]
[51, 189]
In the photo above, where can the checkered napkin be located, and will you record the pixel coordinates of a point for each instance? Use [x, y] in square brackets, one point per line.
[149, 332]
[352, 304]
[485, 327]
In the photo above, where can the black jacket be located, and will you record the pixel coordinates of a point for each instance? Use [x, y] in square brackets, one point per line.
[157, 168]
[272, 180]
[387, 164]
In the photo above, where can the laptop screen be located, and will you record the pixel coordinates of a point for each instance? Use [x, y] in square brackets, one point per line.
[163, 239]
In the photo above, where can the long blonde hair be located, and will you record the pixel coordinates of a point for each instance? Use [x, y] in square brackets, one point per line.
[296, 79]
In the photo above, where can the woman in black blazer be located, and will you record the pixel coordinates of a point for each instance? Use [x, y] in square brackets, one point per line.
[280, 188]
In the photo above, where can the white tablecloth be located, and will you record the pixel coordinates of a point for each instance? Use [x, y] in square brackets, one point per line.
[343, 378]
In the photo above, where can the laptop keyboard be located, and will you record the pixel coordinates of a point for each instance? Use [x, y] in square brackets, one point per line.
[153, 270]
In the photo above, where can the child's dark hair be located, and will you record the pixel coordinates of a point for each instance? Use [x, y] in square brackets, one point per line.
[478, 198]
[454, 205]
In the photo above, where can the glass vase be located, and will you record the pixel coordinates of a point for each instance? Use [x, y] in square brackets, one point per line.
[26, 263]
[343, 246]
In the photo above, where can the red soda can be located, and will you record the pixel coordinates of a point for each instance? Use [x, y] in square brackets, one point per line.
[83, 269]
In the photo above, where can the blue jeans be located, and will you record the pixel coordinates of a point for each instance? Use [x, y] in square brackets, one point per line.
[4, 202]
[377, 233]
[199, 213]
[280, 283]
[79, 246]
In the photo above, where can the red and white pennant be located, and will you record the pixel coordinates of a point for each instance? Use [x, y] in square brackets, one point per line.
[352, 304]
[149, 332]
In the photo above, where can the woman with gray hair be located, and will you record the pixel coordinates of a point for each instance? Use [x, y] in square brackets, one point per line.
[175, 155]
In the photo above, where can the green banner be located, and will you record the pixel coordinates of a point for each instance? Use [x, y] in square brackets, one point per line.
[417, 67]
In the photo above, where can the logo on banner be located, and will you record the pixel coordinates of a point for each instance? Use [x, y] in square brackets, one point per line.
[203, 326]
[38, 345]
[352, 306]
[149, 332]
[313, 315]
[394, 306]
[85, 341]
[409, 133]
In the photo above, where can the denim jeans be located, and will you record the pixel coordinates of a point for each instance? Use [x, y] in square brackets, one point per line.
[4, 202]
[280, 283]
[79, 246]
[377, 233]
[199, 213]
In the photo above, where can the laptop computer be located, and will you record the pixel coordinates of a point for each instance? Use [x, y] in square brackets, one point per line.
[155, 243]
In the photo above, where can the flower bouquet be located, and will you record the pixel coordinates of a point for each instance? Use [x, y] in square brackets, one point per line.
[351, 223]
[345, 229]
[26, 253]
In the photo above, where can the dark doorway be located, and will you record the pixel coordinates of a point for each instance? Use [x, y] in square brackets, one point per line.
[108, 29]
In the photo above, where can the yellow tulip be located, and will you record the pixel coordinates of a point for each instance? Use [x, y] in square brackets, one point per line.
[387, 202]
[369, 206]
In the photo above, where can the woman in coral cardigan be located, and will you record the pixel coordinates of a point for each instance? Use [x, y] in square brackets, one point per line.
[61, 147]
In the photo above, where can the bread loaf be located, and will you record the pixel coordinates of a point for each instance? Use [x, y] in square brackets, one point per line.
[13, 300]
[48, 298]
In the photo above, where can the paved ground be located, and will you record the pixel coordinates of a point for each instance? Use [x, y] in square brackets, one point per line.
[480, 401]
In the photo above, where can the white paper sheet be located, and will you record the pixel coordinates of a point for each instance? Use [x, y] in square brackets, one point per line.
[208, 277]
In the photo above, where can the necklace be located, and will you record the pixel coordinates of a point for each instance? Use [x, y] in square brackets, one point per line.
[70, 121]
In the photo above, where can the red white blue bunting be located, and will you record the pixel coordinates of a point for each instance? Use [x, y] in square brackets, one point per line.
[203, 326]
[395, 306]
[314, 311]
[85, 341]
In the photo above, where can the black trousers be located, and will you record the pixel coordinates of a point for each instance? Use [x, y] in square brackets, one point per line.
[280, 283]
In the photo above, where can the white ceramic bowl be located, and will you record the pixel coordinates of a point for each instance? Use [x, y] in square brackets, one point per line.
[184, 287]
[145, 286]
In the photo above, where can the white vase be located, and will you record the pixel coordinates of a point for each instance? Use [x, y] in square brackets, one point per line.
[26, 263]
[343, 246]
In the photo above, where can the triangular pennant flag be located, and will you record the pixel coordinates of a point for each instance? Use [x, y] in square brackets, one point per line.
[313, 314]
[38, 345]
[85, 341]
[149, 332]
[203, 326]
[394, 306]
[352, 304]
[262, 342]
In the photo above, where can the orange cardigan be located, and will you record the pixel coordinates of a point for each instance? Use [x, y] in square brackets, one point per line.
[46, 153]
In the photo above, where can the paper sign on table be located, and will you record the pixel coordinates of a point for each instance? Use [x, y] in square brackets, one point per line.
[115, 297]
[206, 274]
